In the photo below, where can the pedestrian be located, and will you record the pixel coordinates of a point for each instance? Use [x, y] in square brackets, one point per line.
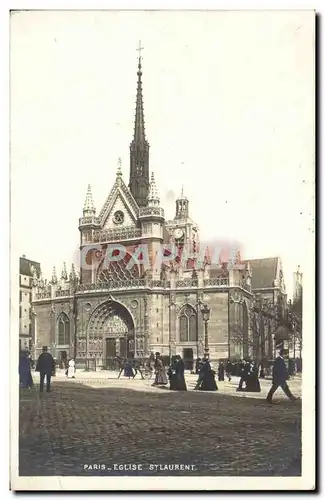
[128, 372]
[200, 374]
[171, 372]
[279, 379]
[228, 370]
[198, 365]
[179, 372]
[160, 378]
[71, 369]
[45, 366]
[252, 382]
[25, 376]
[208, 382]
[221, 372]
[244, 375]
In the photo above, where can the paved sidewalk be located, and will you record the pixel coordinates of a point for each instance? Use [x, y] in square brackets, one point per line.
[109, 379]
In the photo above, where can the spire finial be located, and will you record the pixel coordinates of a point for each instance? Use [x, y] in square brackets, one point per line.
[182, 192]
[119, 167]
[139, 49]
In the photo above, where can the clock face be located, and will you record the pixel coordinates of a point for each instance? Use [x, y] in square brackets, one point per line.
[178, 233]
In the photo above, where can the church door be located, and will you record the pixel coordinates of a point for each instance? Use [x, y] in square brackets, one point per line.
[188, 358]
[110, 352]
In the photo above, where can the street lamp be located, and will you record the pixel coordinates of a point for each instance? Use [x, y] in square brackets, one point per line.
[206, 316]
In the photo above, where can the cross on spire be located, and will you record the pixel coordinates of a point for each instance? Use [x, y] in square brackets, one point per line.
[139, 49]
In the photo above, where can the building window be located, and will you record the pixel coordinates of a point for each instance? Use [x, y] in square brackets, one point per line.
[157, 310]
[187, 324]
[20, 296]
[63, 329]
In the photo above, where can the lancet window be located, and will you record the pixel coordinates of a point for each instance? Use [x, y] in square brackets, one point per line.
[63, 329]
[187, 324]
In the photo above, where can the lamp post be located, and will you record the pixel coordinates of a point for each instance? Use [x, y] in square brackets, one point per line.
[206, 316]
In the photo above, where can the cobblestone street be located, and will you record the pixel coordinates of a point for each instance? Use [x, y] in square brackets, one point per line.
[94, 420]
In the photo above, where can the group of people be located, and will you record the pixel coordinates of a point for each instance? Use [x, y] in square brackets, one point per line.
[46, 367]
[248, 372]
[175, 374]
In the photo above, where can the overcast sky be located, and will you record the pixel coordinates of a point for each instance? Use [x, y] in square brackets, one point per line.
[228, 101]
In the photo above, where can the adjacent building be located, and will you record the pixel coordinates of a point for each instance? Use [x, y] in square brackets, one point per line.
[27, 269]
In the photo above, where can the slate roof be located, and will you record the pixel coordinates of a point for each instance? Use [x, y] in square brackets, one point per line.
[25, 267]
[263, 272]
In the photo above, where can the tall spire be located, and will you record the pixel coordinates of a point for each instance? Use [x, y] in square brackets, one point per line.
[139, 148]
[139, 132]
[89, 207]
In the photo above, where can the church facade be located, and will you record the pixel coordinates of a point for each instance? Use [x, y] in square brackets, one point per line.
[143, 281]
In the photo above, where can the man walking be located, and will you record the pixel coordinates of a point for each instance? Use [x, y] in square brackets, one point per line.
[45, 366]
[280, 377]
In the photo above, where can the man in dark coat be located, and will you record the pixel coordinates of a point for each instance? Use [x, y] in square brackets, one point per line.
[244, 375]
[280, 377]
[228, 370]
[45, 366]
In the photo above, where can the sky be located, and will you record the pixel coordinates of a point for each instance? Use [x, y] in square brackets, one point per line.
[229, 113]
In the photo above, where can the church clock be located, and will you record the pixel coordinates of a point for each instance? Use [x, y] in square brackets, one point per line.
[178, 233]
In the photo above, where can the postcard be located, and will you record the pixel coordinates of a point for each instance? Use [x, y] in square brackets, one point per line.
[162, 170]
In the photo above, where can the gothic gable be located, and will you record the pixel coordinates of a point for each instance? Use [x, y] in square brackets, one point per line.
[120, 208]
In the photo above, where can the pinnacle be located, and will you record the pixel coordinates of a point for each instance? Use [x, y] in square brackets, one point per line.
[89, 202]
[64, 274]
[54, 276]
[153, 191]
[119, 168]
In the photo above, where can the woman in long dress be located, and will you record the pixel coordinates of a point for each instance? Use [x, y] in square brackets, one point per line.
[179, 371]
[25, 376]
[253, 384]
[71, 369]
[208, 377]
[128, 371]
[161, 377]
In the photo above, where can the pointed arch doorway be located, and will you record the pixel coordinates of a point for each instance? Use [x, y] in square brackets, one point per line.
[110, 334]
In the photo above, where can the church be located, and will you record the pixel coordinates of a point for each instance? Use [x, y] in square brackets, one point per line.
[144, 284]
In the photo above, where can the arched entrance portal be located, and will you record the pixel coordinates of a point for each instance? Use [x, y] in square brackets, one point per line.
[110, 334]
